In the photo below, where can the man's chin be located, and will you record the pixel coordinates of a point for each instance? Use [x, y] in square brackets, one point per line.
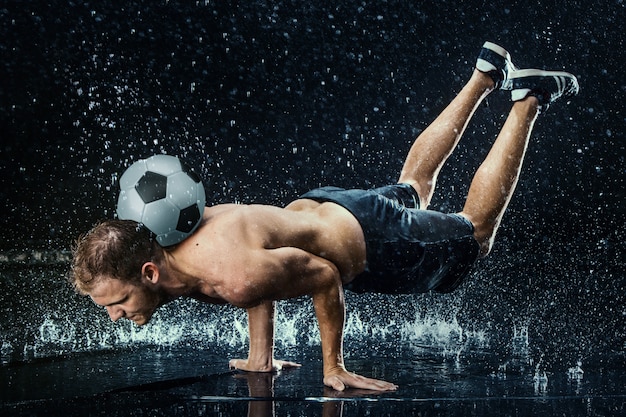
[140, 321]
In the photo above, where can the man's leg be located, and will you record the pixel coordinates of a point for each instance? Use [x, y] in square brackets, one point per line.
[495, 180]
[493, 185]
[435, 144]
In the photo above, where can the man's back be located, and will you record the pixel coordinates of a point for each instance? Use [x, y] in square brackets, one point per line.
[230, 251]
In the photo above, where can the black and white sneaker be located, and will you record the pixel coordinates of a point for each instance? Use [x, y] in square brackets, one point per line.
[546, 86]
[495, 61]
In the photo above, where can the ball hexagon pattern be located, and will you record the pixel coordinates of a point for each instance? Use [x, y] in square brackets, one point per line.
[163, 194]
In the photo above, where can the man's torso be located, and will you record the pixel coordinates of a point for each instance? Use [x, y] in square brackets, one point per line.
[370, 232]
[221, 247]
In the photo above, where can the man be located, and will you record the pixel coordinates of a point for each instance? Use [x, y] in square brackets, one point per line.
[381, 240]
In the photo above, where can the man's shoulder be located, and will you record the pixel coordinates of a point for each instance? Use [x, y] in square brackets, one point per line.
[225, 214]
[241, 225]
[222, 208]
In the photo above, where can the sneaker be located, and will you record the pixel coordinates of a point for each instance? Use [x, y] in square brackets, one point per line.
[546, 86]
[495, 61]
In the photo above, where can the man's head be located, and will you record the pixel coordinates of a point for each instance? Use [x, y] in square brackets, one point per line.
[117, 264]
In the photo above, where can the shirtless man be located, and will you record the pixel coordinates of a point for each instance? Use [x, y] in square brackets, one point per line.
[381, 240]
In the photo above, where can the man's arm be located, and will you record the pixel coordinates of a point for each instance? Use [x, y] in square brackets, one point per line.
[288, 272]
[329, 304]
[261, 353]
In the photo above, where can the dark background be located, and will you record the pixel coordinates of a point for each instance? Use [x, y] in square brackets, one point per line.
[269, 99]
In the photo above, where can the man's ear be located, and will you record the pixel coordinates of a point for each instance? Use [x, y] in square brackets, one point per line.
[150, 271]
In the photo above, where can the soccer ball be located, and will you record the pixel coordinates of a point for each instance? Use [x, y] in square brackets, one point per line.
[164, 195]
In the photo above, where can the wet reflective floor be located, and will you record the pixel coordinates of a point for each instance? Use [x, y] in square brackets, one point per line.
[271, 99]
[195, 383]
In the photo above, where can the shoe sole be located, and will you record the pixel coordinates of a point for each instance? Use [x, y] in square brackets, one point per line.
[497, 49]
[566, 83]
[486, 66]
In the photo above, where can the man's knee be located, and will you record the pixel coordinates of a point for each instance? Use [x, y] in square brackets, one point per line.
[485, 247]
[484, 233]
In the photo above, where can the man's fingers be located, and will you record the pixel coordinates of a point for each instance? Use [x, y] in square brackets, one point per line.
[371, 384]
[235, 363]
[381, 385]
[341, 382]
[287, 364]
[280, 365]
[386, 386]
[244, 365]
[335, 383]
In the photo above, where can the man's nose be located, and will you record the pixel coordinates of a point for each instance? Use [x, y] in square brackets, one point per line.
[115, 313]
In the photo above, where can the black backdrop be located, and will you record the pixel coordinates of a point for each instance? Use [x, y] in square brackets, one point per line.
[269, 99]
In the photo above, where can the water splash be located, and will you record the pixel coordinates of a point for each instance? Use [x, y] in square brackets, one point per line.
[188, 323]
[34, 257]
[540, 382]
[576, 373]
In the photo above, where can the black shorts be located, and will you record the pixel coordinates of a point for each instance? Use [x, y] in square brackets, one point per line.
[409, 250]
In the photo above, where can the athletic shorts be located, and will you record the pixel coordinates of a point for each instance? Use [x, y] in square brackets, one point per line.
[409, 250]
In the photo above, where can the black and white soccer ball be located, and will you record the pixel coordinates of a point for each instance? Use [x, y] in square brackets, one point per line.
[164, 195]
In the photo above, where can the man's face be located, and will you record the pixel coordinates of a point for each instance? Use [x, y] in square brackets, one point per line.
[122, 299]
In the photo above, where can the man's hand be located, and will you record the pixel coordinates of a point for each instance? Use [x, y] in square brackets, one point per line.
[340, 379]
[261, 354]
[247, 365]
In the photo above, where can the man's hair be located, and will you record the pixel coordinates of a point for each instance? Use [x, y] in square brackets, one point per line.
[112, 249]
